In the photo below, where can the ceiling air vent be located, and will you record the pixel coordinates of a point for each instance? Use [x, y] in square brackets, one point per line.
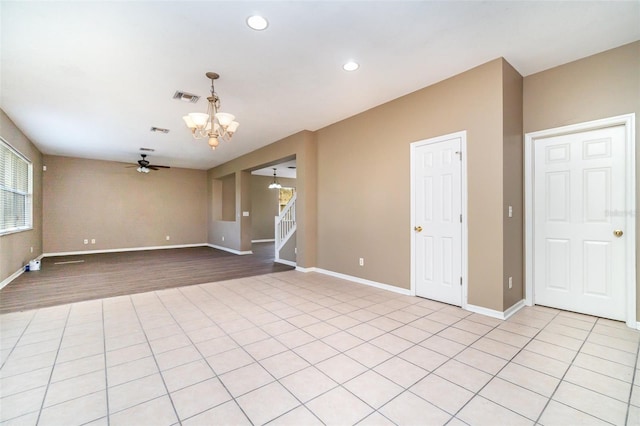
[186, 97]
[159, 130]
[147, 149]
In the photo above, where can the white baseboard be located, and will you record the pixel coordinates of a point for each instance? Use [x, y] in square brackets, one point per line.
[305, 270]
[230, 250]
[272, 240]
[11, 277]
[496, 314]
[638, 326]
[72, 253]
[16, 274]
[358, 280]
[286, 262]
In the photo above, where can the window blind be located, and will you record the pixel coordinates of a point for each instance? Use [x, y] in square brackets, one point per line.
[15, 190]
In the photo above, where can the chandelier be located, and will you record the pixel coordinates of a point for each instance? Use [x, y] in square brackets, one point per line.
[213, 125]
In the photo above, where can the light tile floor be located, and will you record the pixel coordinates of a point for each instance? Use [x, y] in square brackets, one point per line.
[307, 349]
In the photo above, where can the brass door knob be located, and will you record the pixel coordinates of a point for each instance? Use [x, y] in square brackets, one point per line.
[618, 233]
[417, 228]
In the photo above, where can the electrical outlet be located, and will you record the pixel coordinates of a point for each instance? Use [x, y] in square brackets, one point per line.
[168, 238]
[31, 249]
[361, 262]
[222, 238]
[86, 241]
[93, 241]
[510, 211]
[510, 282]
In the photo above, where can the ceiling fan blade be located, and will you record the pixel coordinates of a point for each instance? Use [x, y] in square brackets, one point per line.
[152, 167]
[160, 167]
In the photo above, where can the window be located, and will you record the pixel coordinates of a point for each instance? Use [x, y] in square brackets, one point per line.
[16, 188]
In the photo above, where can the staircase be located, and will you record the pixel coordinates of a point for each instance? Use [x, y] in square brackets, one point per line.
[285, 225]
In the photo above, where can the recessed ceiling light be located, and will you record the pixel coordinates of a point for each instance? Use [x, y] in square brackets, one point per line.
[257, 22]
[351, 66]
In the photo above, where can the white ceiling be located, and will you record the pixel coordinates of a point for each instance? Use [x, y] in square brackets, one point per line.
[88, 79]
[286, 169]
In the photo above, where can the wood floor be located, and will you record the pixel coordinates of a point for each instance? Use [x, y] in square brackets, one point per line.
[67, 279]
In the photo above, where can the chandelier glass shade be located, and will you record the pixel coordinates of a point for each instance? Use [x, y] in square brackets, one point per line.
[275, 184]
[213, 125]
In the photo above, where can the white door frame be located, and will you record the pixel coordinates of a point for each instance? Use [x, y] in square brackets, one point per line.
[463, 189]
[628, 121]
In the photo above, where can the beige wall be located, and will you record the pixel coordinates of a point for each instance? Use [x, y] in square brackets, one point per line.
[288, 251]
[512, 183]
[364, 181]
[15, 249]
[264, 205]
[119, 207]
[238, 234]
[228, 202]
[600, 86]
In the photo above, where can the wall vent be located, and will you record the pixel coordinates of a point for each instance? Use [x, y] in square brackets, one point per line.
[147, 149]
[159, 130]
[186, 97]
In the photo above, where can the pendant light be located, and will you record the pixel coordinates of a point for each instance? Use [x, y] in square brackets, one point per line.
[275, 184]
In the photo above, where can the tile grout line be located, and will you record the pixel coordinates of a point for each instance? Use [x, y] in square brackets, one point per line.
[369, 342]
[493, 376]
[246, 315]
[44, 397]
[15, 345]
[537, 421]
[633, 379]
[339, 352]
[135, 310]
[571, 364]
[104, 351]
[432, 372]
[202, 357]
[255, 325]
[343, 352]
[254, 359]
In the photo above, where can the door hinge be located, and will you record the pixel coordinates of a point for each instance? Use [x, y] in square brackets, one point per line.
[459, 153]
[460, 218]
[460, 280]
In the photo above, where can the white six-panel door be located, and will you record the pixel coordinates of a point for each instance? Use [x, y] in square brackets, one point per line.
[437, 225]
[579, 207]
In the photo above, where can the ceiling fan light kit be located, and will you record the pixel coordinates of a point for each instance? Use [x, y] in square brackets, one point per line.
[213, 125]
[145, 167]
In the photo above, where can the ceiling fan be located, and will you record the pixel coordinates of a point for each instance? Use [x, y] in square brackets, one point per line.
[145, 167]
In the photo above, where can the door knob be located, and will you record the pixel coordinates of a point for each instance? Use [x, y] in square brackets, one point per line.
[417, 228]
[618, 233]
